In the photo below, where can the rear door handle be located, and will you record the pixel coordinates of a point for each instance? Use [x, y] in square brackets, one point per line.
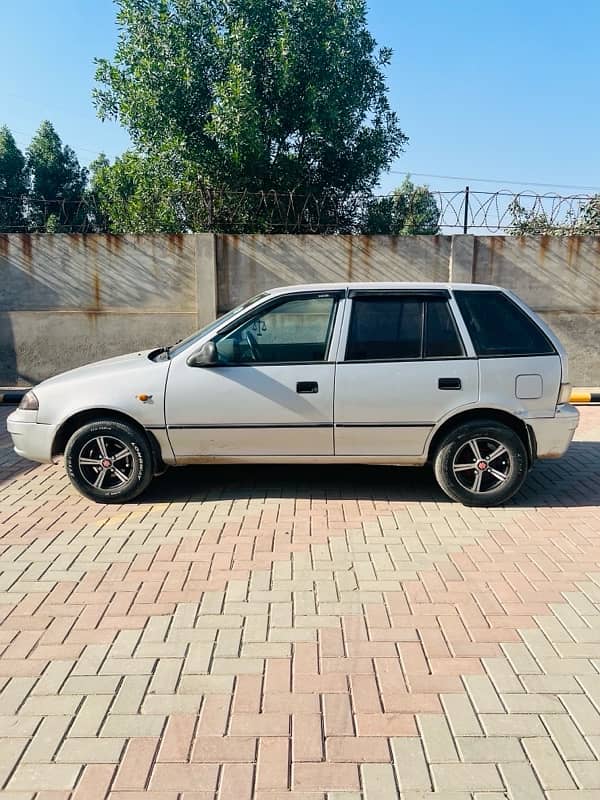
[449, 384]
[307, 387]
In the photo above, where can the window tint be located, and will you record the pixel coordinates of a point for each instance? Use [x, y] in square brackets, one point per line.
[384, 328]
[441, 337]
[295, 330]
[498, 327]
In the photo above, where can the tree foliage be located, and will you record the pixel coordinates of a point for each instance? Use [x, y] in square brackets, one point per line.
[56, 179]
[13, 183]
[245, 95]
[141, 194]
[410, 210]
[529, 222]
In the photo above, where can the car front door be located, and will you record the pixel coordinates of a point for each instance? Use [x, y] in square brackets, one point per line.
[403, 368]
[270, 393]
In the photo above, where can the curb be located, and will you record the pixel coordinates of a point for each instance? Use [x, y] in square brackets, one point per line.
[579, 397]
[11, 397]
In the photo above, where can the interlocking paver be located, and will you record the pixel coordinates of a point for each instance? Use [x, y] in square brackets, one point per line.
[467, 777]
[521, 782]
[411, 764]
[323, 633]
[490, 749]
[439, 744]
[547, 763]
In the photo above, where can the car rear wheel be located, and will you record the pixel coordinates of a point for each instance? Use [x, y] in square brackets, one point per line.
[109, 461]
[482, 463]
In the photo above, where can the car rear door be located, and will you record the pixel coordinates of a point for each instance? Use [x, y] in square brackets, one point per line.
[402, 367]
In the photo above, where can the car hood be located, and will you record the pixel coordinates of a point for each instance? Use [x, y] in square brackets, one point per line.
[108, 366]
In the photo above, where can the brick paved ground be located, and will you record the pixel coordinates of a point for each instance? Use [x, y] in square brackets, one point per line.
[316, 633]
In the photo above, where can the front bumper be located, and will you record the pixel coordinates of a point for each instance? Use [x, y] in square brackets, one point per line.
[554, 435]
[31, 439]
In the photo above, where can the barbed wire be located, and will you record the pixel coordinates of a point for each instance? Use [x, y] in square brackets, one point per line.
[225, 211]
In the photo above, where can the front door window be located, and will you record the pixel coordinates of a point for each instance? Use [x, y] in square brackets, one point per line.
[295, 331]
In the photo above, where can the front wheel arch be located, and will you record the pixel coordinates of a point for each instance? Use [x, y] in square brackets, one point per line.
[73, 423]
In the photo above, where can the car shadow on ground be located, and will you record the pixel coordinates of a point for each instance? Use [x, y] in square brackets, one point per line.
[571, 481]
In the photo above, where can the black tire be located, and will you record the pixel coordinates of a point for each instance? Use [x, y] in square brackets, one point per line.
[480, 484]
[127, 450]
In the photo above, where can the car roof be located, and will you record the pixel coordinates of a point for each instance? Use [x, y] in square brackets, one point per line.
[391, 286]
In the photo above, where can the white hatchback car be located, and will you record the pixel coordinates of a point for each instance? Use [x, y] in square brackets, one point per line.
[464, 377]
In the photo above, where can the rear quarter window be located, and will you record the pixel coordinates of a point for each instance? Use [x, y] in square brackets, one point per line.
[498, 327]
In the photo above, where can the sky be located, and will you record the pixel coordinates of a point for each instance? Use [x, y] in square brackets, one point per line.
[491, 94]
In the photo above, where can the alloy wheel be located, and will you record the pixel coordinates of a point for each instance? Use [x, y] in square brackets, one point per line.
[106, 462]
[482, 464]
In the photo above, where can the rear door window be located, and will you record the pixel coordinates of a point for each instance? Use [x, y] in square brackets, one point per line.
[385, 329]
[498, 327]
[402, 328]
[441, 337]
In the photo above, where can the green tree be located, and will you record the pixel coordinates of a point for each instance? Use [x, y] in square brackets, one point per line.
[57, 183]
[248, 95]
[99, 221]
[140, 194]
[583, 221]
[410, 210]
[13, 183]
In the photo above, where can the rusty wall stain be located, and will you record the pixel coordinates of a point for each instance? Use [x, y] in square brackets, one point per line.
[176, 242]
[492, 254]
[368, 251]
[544, 246]
[92, 315]
[350, 258]
[4, 243]
[495, 247]
[26, 250]
[113, 242]
[96, 289]
[475, 261]
[91, 241]
[573, 248]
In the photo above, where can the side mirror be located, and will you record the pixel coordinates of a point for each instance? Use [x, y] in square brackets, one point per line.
[207, 356]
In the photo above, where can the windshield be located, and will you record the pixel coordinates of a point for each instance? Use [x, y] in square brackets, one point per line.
[185, 343]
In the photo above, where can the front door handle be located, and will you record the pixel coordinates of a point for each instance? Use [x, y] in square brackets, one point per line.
[449, 384]
[307, 387]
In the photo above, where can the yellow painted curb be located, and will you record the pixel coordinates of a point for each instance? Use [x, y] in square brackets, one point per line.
[582, 396]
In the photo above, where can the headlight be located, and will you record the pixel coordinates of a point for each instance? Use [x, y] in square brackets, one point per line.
[29, 402]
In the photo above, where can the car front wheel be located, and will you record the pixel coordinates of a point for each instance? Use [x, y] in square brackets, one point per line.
[481, 463]
[109, 461]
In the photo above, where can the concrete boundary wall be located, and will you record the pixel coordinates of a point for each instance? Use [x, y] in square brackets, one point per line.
[67, 299]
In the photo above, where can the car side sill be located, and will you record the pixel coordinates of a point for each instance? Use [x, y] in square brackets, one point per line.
[407, 461]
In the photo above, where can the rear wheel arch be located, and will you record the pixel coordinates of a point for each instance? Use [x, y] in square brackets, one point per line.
[81, 418]
[491, 414]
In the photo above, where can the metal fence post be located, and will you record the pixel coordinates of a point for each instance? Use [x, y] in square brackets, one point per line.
[466, 219]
